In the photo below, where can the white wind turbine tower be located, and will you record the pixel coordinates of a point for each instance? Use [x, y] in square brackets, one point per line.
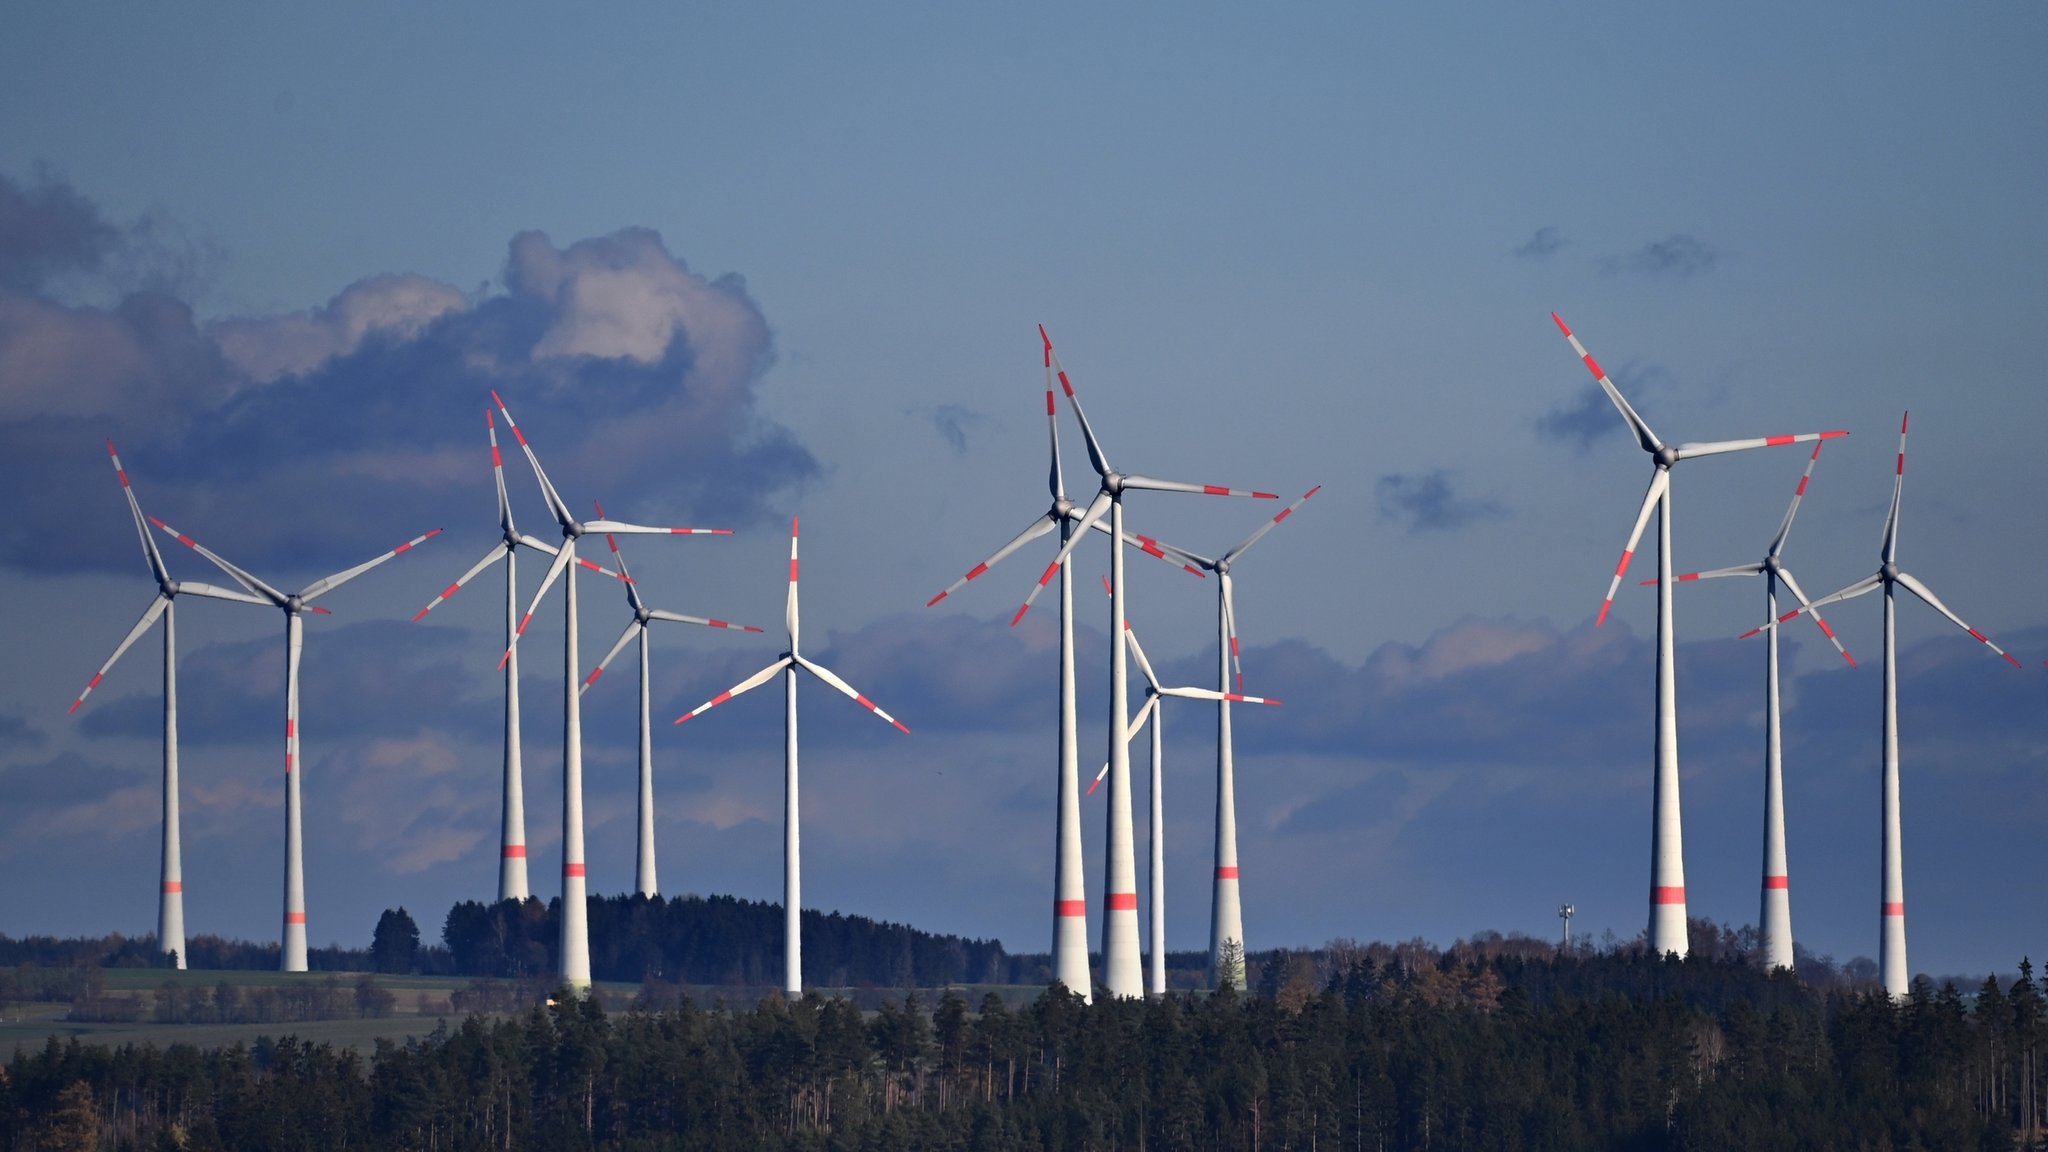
[1121, 969]
[792, 855]
[170, 909]
[575, 914]
[294, 605]
[1156, 878]
[512, 822]
[1891, 943]
[1667, 850]
[644, 871]
[1070, 895]
[1775, 917]
[1226, 913]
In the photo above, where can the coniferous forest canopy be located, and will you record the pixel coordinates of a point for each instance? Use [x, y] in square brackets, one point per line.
[1496, 1043]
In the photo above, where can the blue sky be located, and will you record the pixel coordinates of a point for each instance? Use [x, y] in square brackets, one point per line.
[735, 264]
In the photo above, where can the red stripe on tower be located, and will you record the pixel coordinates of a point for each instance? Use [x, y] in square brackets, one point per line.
[1226, 872]
[514, 852]
[1898, 909]
[1778, 882]
[174, 885]
[1070, 907]
[1123, 901]
[1667, 895]
[572, 870]
[295, 917]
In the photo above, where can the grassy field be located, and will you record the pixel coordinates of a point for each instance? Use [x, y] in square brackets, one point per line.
[420, 1003]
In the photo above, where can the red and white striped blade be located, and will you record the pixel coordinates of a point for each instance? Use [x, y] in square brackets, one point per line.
[248, 582]
[612, 541]
[1658, 484]
[1038, 527]
[214, 592]
[706, 621]
[1096, 508]
[1212, 694]
[832, 678]
[1159, 549]
[1636, 423]
[498, 473]
[1756, 569]
[557, 508]
[1720, 447]
[562, 559]
[1927, 594]
[329, 584]
[1270, 524]
[1230, 629]
[633, 629]
[1798, 494]
[1097, 458]
[1793, 585]
[1859, 588]
[1153, 483]
[790, 615]
[1890, 549]
[646, 530]
[747, 685]
[149, 615]
[150, 555]
[1055, 479]
[496, 554]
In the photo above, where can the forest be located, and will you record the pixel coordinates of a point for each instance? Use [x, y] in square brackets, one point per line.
[1489, 1044]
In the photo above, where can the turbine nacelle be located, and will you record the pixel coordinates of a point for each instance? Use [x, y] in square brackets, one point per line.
[1890, 572]
[1665, 456]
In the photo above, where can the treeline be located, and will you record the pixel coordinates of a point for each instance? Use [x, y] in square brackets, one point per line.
[1398, 1049]
[212, 953]
[722, 940]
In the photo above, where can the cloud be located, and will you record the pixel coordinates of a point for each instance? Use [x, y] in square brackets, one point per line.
[47, 230]
[1544, 244]
[1427, 503]
[1591, 416]
[952, 422]
[1679, 256]
[636, 379]
[64, 781]
[16, 732]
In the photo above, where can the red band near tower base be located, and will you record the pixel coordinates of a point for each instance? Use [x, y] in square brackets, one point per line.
[1778, 882]
[295, 917]
[174, 885]
[1898, 909]
[1123, 901]
[1667, 895]
[1226, 872]
[572, 869]
[515, 851]
[1070, 907]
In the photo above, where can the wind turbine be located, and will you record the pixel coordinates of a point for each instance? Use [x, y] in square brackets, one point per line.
[792, 856]
[292, 956]
[1891, 941]
[1154, 693]
[1070, 896]
[1667, 849]
[1776, 914]
[512, 824]
[644, 872]
[1226, 915]
[1121, 973]
[575, 926]
[170, 908]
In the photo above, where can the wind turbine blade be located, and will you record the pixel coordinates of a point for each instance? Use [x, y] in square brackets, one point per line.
[1097, 782]
[556, 507]
[747, 685]
[150, 555]
[1097, 458]
[1859, 588]
[1230, 628]
[1891, 519]
[790, 615]
[1055, 479]
[1719, 447]
[562, 559]
[1658, 484]
[322, 587]
[1137, 724]
[498, 473]
[496, 554]
[1786, 575]
[633, 629]
[149, 615]
[1038, 527]
[248, 582]
[1155, 484]
[1756, 569]
[612, 541]
[1138, 653]
[679, 618]
[1270, 524]
[214, 592]
[1212, 694]
[1925, 593]
[832, 678]
[540, 545]
[1151, 546]
[1095, 510]
[645, 530]
[1636, 424]
[1798, 494]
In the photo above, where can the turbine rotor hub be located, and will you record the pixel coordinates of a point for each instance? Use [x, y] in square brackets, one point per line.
[572, 529]
[1890, 572]
[1665, 456]
[169, 586]
[1062, 507]
[1113, 483]
[293, 604]
[1773, 565]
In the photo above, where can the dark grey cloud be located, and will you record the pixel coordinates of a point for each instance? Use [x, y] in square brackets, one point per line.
[320, 438]
[65, 780]
[16, 732]
[48, 229]
[953, 421]
[1427, 502]
[1679, 256]
[1544, 244]
[1591, 416]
